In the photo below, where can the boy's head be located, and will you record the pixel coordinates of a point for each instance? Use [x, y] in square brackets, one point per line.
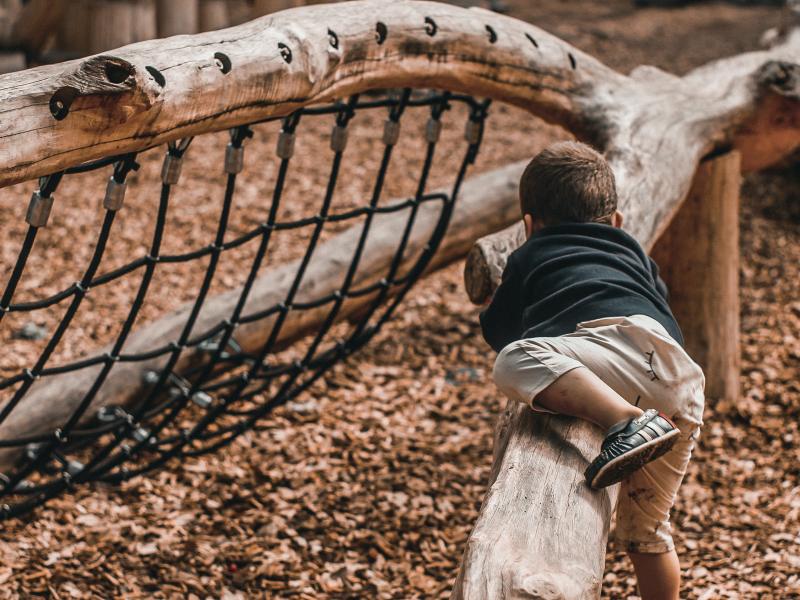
[568, 182]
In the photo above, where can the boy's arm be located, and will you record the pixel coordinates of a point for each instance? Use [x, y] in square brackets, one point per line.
[501, 322]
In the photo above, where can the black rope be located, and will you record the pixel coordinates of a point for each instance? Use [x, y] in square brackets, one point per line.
[200, 390]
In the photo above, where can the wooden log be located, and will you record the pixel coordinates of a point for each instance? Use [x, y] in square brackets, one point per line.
[110, 24]
[541, 533]
[50, 402]
[114, 23]
[699, 259]
[213, 15]
[455, 52]
[177, 17]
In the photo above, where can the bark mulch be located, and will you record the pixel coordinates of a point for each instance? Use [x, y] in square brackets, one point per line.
[367, 485]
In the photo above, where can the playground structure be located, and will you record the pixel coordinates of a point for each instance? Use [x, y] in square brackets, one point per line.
[654, 127]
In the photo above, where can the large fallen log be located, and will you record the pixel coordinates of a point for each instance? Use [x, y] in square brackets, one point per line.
[51, 401]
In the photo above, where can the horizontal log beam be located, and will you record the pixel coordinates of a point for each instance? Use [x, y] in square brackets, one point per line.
[160, 90]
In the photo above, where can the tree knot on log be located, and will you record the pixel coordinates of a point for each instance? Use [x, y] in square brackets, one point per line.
[780, 77]
[97, 79]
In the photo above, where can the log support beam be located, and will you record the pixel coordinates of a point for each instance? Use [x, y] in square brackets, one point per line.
[698, 255]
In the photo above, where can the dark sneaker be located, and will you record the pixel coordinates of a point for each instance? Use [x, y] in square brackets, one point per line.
[629, 445]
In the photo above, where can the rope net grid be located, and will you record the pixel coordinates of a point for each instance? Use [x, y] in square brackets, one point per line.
[109, 397]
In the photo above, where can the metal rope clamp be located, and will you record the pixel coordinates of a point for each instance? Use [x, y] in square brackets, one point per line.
[115, 194]
[472, 132]
[234, 159]
[391, 132]
[171, 171]
[338, 138]
[285, 148]
[432, 130]
[39, 209]
[173, 161]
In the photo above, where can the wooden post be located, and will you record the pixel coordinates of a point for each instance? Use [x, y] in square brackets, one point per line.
[699, 259]
[239, 11]
[114, 23]
[73, 35]
[9, 9]
[176, 17]
[12, 61]
[213, 15]
[143, 24]
[266, 7]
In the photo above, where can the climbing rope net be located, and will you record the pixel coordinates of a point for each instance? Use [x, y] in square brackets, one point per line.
[189, 407]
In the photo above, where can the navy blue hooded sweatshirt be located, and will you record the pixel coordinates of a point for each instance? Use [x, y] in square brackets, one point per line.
[573, 272]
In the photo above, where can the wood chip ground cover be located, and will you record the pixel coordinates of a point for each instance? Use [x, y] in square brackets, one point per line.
[367, 485]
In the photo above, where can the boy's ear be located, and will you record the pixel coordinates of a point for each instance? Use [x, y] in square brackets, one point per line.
[528, 220]
[617, 219]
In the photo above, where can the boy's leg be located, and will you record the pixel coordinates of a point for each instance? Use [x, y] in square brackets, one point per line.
[580, 393]
[659, 575]
[649, 370]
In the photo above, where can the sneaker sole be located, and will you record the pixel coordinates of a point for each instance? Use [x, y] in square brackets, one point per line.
[622, 466]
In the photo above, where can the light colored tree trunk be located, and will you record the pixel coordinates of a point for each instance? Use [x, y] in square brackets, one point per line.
[177, 17]
[541, 533]
[699, 259]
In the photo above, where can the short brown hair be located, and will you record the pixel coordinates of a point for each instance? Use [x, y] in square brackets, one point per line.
[568, 182]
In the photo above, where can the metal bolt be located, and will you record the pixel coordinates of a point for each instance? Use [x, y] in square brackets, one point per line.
[140, 434]
[74, 467]
[473, 132]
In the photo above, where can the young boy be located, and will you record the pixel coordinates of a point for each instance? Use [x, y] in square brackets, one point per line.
[583, 328]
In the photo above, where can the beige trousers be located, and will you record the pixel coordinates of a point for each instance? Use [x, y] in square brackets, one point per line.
[638, 359]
